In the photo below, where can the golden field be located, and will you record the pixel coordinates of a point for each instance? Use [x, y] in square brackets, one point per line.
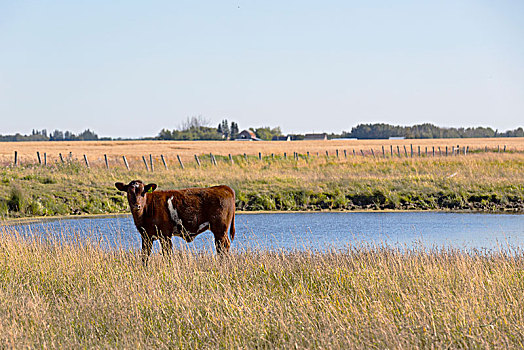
[95, 150]
[59, 294]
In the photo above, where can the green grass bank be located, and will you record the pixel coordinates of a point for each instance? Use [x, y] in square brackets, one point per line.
[476, 182]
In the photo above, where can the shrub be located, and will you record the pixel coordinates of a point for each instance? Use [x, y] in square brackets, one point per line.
[16, 200]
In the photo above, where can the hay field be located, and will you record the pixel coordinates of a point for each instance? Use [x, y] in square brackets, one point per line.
[95, 150]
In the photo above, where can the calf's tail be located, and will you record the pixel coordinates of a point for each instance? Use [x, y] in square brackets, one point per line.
[232, 228]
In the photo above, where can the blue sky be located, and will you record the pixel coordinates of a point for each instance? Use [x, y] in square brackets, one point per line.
[131, 68]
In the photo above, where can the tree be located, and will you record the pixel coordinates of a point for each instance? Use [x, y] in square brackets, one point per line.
[57, 135]
[165, 135]
[193, 122]
[225, 129]
[87, 135]
[234, 131]
[267, 133]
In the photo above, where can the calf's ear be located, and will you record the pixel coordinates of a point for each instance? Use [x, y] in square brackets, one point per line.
[149, 188]
[121, 186]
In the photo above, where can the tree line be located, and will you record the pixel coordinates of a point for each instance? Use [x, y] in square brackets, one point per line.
[56, 135]
[424, 131]
[197, 128]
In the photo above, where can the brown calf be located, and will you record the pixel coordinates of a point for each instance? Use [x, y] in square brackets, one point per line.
[184, 213]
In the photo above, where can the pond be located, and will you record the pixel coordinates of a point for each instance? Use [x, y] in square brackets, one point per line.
[313, 231]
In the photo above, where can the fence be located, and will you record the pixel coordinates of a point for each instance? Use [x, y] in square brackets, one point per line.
[148, 161]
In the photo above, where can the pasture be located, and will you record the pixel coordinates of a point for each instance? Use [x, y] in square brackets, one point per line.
[479, 181]
[77, 295]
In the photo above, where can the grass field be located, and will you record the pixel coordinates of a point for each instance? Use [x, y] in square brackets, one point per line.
[61, 294]
[489, 181]
[77, 295]
[134, 150]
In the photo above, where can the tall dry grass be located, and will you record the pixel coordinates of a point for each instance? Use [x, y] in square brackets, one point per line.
[78, 295]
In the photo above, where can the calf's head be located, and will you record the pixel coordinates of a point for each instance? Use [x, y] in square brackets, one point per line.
[136, 193]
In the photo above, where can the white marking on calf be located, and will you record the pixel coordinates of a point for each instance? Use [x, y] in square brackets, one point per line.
[204, 225]
[172, 211]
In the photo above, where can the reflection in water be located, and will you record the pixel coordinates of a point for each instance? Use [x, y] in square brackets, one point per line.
[312, 231]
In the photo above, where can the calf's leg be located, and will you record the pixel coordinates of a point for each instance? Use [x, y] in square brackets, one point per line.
[167, 246]
[147, 244]
[222, 242]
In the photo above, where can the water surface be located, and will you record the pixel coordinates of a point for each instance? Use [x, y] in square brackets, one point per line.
[317, 231]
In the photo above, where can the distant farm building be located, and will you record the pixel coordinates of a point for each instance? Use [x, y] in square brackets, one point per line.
[247, 135]
[312, 137]
[281, 138]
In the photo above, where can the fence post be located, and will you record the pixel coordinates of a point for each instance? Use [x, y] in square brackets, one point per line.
[354, 154]
[231, 159]
[273, 156]
[197, 160]
[337, 153]
[398, 151]
[373, 153]
[361, 151]
[411, 150]
[426, 151]
[180, 161]
[259, 156]
[16, 158]
[383, 152]
[419, 151]
[105, 158]
[391, 149]
[61, 158]
[504, 148]
[345, 154]
[45, 159]
[85, 159]
[406, 151]
[164, 161]
[245, 157]
[446, 151]
[38, 156]
[125, 162]
[327, 154]
[213, 160]
[151, 162]
[285, 156]
[145, 163]
[433, 151]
